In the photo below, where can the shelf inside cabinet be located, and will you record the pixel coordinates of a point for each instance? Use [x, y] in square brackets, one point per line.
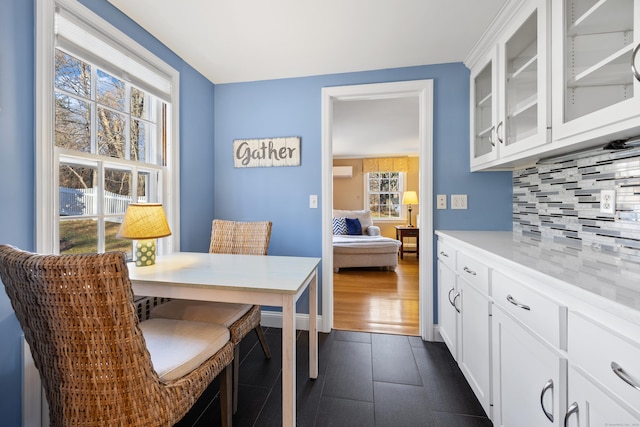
[529, 65]
[484, 132]
[524, 105]
[486, 101]
[614, 69]
[603, 17]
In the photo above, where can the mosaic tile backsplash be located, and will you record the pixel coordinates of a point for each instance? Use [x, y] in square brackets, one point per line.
[561, 202]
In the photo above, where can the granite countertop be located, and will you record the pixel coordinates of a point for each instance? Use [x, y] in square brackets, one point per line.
[599, 278]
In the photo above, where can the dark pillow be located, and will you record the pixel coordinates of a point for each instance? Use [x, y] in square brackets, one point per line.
[340, 226]
[354, 227]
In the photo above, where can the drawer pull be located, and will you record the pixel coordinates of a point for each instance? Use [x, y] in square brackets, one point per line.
[617, 369]
[454, 302]
[469, 271]
[449, 297]
[548, 386]
[573, 409]
[513, 301]
[444, 254]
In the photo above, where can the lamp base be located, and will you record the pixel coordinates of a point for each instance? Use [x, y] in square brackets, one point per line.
[145, 252]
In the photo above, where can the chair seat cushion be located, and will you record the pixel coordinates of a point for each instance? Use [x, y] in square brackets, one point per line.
[201, 311]
[178, 347]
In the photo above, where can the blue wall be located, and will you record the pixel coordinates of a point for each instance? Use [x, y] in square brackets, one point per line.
[210, 186]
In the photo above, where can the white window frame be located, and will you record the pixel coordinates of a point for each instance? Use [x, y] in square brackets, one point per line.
[47, 153]
[403, 216]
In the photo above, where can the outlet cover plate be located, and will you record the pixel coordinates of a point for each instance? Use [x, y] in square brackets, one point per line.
[458, 201]
[608, 201]
[441, 201]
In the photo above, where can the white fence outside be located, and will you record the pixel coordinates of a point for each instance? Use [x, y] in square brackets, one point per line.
[83, 201]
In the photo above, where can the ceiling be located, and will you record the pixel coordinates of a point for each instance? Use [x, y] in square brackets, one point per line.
[232, 41]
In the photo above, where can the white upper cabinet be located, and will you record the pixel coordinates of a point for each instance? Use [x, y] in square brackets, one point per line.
[596, 93]
[510, 89]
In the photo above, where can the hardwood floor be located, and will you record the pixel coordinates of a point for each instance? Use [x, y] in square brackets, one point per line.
[376, 300]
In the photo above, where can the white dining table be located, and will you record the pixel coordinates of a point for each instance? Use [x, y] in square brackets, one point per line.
[277, 281]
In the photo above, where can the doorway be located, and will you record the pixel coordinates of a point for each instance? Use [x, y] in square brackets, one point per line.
[423, 91]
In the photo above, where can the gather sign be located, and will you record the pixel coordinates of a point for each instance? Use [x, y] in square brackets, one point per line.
[266, 152]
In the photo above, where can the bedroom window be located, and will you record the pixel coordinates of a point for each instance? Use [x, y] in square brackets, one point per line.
[111, 137]
[384, 193]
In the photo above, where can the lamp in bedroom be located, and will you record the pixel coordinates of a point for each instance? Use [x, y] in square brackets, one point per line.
[409, 198]
[144, 222]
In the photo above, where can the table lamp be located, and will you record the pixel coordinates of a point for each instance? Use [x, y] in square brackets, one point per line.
[144, 222]
[409, 198]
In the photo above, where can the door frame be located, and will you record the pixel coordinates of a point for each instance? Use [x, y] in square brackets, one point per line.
[423, 89]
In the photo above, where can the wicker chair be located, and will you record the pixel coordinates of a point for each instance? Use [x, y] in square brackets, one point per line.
[99, 365]
[228, 237]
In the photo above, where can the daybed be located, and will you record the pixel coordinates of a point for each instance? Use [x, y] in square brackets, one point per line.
[364, 249]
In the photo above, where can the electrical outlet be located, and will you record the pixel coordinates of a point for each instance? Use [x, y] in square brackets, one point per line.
[458, 201]
[608, 201]
[441, 201]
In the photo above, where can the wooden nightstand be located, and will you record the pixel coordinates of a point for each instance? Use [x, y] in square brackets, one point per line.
[403, 231]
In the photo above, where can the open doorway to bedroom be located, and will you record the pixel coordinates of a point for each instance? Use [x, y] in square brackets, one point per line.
[383, 163]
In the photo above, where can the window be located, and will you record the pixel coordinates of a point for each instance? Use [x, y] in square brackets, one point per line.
[111, 140]
[384, 193]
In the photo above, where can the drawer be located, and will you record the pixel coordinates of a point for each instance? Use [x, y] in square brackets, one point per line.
[447, 255]
[473, 271]
[594, 348]
[543, 316]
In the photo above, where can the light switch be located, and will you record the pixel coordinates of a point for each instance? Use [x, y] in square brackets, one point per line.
[313, 201]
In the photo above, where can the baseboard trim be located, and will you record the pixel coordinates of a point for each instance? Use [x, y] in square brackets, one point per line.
[273, 319]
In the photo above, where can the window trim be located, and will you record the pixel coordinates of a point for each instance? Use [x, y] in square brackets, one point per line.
[403, 212]
[45, 156]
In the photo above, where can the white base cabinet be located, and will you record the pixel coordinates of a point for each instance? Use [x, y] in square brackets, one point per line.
[447, 310]
[528, 377]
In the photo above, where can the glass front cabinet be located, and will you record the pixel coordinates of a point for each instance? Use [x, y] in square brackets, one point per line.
[510, 89]
[596, 75]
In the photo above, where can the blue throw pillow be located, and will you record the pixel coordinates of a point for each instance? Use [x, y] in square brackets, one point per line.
[340, 226]
[354, 227]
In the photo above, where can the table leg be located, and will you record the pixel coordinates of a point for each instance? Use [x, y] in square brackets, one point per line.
[289, 361]
[313, 326]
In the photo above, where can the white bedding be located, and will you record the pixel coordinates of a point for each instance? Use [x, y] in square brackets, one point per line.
[369, 241]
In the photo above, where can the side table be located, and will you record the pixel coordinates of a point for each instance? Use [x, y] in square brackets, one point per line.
[403, 231]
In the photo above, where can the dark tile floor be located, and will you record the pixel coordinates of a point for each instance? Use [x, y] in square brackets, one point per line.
[364, 380]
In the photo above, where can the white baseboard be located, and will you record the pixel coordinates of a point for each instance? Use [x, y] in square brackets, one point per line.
[273, 319]
[436, 334]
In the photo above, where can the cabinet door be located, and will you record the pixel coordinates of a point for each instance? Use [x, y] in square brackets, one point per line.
[474, 351]
[590, 406]
[524, 76]
[529, 378]
[447, 312]
[595, 91]
[484, 110]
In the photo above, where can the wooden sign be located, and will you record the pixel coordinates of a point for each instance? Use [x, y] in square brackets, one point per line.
[267, 152]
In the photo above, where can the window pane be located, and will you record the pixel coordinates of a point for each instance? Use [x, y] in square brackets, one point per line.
[112, 243]
[117, 191]
[72, 74]
[140, 103]
[111, 134]
[111, 91]
[374, 184]
[77, 190]
[72, 123]
[78, 236]
[144, 181]
[139, 140]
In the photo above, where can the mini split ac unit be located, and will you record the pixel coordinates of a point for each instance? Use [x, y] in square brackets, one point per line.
[342, 171]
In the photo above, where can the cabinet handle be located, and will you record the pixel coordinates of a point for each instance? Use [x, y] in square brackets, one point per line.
[454, 302]
[548, 386]
[449, 297]
[634, 70]
[617, 369]
[513, 301]
[469, 271]
[444, 254]
[573, 409]
[493, 144]
[498, 133]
